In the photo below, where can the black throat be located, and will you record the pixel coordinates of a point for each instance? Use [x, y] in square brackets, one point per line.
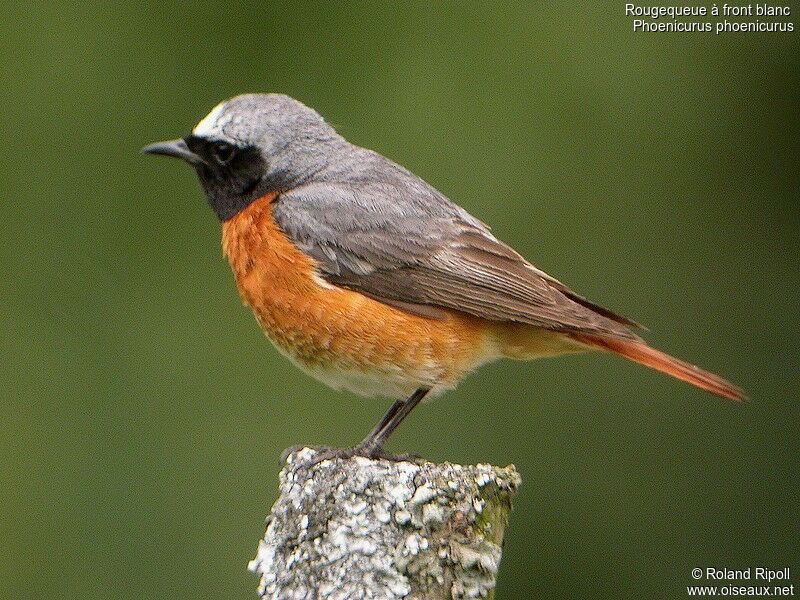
[232, 186]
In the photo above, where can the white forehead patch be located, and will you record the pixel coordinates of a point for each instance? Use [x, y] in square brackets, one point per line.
[211, 123]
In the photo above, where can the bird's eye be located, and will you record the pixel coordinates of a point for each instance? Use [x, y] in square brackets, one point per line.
[223, 152]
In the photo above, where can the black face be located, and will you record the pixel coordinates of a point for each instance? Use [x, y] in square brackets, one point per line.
[231, 175]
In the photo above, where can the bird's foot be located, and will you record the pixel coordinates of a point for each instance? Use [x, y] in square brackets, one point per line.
[411, 457]
[322, 453]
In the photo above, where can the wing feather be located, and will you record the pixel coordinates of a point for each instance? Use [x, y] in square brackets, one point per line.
[410, 247]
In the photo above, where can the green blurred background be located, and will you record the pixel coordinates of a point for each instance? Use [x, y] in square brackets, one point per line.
[143, 412]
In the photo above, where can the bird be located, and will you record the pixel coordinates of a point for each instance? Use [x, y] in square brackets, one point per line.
[371, 280]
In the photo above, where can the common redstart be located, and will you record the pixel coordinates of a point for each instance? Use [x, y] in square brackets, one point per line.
[368, 278]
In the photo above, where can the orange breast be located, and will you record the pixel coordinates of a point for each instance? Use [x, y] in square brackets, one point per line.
[329, 330]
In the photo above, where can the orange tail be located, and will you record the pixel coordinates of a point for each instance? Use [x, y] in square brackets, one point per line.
[643, 354]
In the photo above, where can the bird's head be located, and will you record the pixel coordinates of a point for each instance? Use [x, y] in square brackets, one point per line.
[252, 145]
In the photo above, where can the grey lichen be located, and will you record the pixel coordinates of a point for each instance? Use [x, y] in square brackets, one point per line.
[357, 528]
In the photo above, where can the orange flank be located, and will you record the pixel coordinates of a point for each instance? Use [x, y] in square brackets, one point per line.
[338, 334]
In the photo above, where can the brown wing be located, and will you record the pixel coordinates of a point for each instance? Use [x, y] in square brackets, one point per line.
[485, 278]
[421, 256]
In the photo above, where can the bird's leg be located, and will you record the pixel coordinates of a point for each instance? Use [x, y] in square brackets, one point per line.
[373, 443]
[396, 405]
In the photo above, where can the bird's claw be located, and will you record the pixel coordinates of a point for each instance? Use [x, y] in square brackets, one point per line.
[324, 453]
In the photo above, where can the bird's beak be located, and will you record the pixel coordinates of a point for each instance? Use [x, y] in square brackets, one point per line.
[175, 149]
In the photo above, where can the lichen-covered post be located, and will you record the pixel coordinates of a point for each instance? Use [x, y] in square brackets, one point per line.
[358, 528]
